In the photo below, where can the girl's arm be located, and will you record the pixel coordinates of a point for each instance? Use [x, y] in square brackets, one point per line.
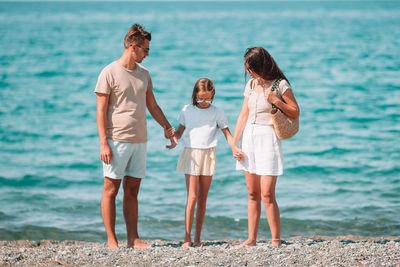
[179, 131]
[240, 124]
[290, 108]
[228, 136]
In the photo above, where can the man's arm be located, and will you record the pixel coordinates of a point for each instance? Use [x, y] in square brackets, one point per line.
[102, 105]
[158, 115]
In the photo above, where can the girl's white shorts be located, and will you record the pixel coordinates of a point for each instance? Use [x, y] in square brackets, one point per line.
[262, 151]
[197, 161]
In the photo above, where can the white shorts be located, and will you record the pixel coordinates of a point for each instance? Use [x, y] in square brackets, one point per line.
[262, 151]
[129, 159]
[197, 161]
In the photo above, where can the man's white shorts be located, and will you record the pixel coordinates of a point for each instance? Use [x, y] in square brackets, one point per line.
[129, 159]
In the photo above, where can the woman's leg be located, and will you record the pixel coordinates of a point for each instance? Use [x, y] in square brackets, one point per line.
[268, 184]
[204, 186]
[192, 184]
[253, 208]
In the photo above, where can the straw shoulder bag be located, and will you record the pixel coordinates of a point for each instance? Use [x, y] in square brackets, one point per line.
[285, 127]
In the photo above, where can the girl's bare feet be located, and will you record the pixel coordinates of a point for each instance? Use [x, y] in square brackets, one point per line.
[276, 242]
[112, 244]
[186, 244]
[248, 242]
[197, 244]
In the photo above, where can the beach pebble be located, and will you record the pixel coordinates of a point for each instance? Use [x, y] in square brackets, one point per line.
[296, 252]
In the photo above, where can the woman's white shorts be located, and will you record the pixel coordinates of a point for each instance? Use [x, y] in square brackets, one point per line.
[262, 151]
[197, 161]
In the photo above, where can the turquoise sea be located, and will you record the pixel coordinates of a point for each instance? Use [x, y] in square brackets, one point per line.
[342, 170]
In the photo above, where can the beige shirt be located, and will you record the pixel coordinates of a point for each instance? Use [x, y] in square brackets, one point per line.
[259, 107]
[126, 114]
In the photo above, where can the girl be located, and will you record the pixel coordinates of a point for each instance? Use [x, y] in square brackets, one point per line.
[199, 123]
[261, 158]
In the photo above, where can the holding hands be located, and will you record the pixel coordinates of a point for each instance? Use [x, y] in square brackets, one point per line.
[237, 153]
[170, 134]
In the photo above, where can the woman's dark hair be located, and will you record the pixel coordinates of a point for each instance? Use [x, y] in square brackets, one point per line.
[262, 63]
[203, 84]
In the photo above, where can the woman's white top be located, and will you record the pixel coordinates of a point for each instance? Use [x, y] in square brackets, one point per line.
[259, 107]
[201, 125]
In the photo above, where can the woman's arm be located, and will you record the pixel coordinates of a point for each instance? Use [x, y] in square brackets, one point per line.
[241, 121]
[290, 108]
[240, 124]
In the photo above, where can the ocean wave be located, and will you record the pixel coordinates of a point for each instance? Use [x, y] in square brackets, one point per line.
[43, 181]
[215, 228]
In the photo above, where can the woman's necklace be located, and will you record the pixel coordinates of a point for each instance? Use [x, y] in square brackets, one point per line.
[264, 84]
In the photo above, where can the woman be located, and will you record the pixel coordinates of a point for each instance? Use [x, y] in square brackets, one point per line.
[260, 156]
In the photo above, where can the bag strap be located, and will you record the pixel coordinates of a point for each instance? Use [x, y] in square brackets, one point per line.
[252, 84]
[275, 87]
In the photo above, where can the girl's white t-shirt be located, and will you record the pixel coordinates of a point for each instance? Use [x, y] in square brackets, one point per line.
[201, 125]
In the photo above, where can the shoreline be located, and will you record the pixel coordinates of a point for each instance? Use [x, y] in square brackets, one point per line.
[300, 250]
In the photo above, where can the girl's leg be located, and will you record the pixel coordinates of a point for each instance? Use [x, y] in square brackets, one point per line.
[254, 207]
[268, 184]
[192, 184]
[204, 186]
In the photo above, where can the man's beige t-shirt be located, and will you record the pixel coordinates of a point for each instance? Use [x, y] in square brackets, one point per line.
[126, 114]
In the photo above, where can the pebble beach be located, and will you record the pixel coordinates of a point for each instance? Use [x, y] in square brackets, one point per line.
[295, 251]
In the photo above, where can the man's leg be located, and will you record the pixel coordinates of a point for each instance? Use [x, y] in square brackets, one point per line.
[131, 209]
[110, 191]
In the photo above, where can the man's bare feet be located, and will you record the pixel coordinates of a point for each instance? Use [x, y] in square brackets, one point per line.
[186, 244]
[250, 243]
[137, 243]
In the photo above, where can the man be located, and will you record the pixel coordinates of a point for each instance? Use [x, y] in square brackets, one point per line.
[124, 90]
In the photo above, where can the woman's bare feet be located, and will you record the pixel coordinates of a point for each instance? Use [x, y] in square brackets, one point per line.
[248, 242]
[186, 244]
[276, 242]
